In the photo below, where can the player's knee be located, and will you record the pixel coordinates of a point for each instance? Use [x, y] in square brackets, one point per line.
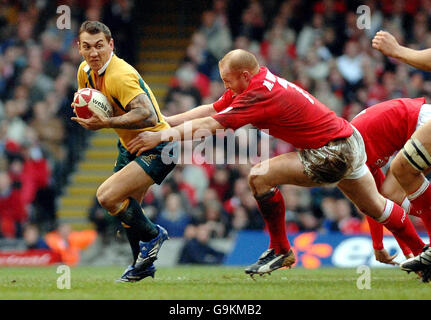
[253, 179]
[105, 199]
[257, 183]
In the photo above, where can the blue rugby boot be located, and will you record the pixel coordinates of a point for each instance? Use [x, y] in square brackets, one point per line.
[150, 249]
[132, 275]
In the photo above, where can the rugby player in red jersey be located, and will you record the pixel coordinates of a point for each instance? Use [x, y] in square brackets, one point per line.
[408, 166]
[330, 150]
[385, 129]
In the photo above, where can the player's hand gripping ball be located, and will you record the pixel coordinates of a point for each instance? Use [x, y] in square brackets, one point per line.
[88, 101]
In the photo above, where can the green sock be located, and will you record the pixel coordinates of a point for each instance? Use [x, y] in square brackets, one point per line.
[133, 238]
[140, 225]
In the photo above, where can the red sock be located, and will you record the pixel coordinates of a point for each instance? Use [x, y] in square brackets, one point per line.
[421, 199]
[376, 230]
[400, 225]
[421, 204]
[273, 209]
[426, 219]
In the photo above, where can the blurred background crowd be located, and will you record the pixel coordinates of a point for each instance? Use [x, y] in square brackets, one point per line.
[315, 44]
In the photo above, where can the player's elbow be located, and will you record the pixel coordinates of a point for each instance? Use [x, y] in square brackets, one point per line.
[148, 119]
[151, 120]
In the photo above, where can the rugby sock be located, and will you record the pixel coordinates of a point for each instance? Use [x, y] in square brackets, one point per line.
[395, 219]
[406, 205]
[426, 219]
[133, 238]
[376, 230]
[421, 199]
[272, 208]
[134, 217]
[421, 204]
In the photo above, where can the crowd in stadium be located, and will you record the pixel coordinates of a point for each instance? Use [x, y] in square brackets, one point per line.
[40, 146]
[314, 44]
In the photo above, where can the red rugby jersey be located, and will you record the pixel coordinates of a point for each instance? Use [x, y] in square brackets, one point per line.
[287, 111]
[386, 127]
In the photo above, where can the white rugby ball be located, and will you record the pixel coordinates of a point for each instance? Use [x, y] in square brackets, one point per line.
[88, 101]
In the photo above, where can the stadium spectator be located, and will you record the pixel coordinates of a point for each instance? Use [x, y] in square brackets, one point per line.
[49, 129]
[33, 238]
[197, 250]
[68, 243]
[220, 182]
[184, 85]
[252, 22]
[218, 36]
[119, 13]
[173, 217]
[12, 211]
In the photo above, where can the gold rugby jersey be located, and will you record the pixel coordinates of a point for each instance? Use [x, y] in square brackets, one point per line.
[121, 83]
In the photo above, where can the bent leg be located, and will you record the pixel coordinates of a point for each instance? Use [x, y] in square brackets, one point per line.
[391, 189]
[414, 160]
[283, 169]
[410, 167]
[364, 194]
[121, 195]
[263, 179]
[132, 180]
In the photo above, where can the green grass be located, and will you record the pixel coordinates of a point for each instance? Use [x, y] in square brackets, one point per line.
[210, 283]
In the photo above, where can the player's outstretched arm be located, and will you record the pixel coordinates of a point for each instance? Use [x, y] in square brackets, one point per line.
[202, 111]
[389, 46]
[147, 140]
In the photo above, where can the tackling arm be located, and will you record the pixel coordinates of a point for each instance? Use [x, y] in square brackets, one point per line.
[202, 111]
[147, 140]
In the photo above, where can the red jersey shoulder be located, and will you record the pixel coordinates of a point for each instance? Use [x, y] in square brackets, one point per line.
[224, 101]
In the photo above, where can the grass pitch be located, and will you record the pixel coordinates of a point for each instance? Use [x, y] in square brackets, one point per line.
[209, 283]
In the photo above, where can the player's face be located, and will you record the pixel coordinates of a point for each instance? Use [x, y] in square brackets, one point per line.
[234, 80]
[95, 49]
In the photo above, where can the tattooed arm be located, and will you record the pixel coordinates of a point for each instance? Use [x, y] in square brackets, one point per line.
[140, 114]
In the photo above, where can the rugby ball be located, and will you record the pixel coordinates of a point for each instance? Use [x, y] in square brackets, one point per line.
[88, 101]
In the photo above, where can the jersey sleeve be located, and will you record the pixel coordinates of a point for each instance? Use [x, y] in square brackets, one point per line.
[125, 87]
[223, 102]
[81, 76]
[246, 108]
[235, 118]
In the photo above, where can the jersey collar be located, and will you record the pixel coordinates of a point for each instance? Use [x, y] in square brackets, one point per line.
[103, 69]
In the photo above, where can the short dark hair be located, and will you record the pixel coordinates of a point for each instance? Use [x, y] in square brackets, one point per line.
[95, 27]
